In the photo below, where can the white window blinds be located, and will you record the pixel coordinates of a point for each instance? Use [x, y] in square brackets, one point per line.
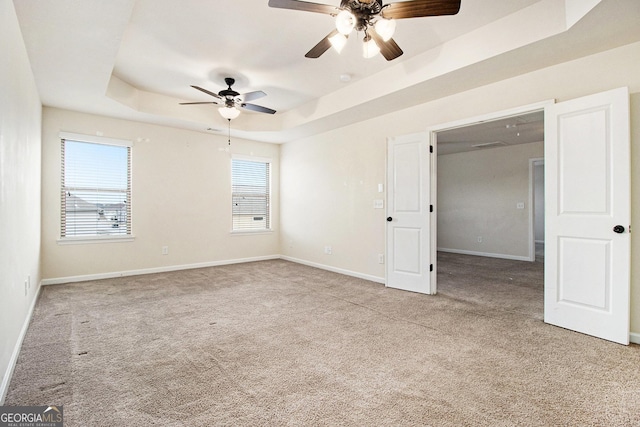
[96, 189]
[250, 195]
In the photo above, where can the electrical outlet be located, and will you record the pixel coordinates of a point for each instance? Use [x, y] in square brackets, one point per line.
[165, 250]
[479, 239]
[380, 258]
[328, 250]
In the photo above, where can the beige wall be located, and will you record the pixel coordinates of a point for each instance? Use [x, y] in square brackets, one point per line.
[328, 185]
[20, 117]
[478, 193]
[181, 193]
[324, 202]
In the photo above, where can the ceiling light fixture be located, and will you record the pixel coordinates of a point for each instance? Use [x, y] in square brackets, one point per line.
[369, 48]
[338, 41]
[229, 113]
[385, 28]
[345, 22]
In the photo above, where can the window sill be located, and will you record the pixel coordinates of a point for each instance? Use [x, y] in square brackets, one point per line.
[250, 232]
[88, 240]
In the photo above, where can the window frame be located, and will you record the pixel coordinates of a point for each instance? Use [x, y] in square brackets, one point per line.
[255, 159]
[95, 238]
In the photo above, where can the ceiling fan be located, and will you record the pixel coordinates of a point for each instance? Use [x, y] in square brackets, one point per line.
[375, 19]
[233, 100]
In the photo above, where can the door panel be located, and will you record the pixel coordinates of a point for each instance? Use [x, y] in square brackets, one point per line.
[584, 189]
[587, 185]
[584, 284]
[407, 250]
[408, 222]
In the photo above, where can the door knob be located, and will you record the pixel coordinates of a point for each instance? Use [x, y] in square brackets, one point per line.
[618, 229]
[389, 219]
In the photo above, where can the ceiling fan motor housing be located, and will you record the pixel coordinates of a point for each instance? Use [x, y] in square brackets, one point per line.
[229, 93]
[364, 11]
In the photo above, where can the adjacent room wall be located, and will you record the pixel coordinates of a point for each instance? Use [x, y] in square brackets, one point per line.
[321, 175]
[478, 194]
[181, 191]
[20, 116]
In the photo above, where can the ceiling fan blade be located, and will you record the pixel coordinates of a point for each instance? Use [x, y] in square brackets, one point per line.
[304, 6]
[208, 92]
[250, 96]
[195, 103]
[322, 46]
[258, 108]
[389, 49]
[420, 8]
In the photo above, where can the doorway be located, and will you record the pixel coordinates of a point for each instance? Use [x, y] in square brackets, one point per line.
[490, 211]
[587, 240]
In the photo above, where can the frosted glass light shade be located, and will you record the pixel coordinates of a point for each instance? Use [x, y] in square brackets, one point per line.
[369, 48]
[345, 22]
[229, 113]
[338, 41]
[385, 28]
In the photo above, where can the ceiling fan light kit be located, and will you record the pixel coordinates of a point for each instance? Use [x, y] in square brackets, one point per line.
[375, 19]
[369, 47]
[229, 113]
[338, 41]
[385, 28]
[345, 22]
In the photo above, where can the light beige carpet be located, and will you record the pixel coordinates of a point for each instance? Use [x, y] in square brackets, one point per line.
[277, 343]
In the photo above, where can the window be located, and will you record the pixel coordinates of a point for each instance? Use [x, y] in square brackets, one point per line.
[250, 192]
[96, 187]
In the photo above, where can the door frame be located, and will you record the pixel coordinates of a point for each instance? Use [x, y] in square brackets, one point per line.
[432, 131]
[532, 208]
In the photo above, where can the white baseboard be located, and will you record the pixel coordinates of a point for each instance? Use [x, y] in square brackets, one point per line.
[485, 254]
[164, 269]
[634, 337]
[335, 269]
[6, 380]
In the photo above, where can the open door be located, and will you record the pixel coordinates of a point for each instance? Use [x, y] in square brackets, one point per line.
[408, 213]
[587, 192]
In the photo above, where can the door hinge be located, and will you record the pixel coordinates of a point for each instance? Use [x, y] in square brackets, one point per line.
[431, 267]
[430, 208]
[431, 148]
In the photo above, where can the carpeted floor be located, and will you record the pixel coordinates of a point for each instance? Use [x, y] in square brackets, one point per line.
[277, 343]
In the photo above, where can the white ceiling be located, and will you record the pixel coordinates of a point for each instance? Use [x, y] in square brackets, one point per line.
[136, 59]
[521, 129]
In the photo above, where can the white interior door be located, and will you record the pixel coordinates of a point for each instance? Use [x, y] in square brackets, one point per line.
[587, 191]
[408, 214]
